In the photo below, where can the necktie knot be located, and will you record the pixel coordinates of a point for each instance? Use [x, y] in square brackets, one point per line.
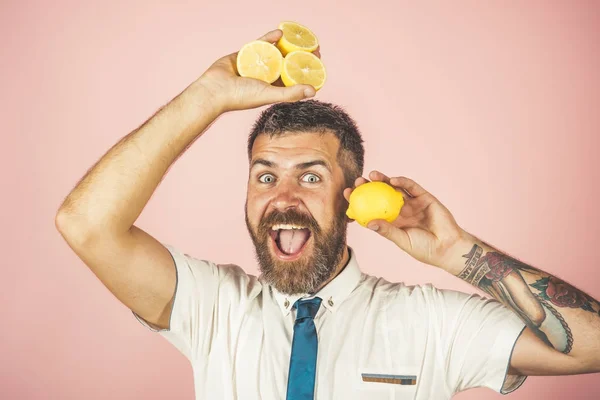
[307, 308]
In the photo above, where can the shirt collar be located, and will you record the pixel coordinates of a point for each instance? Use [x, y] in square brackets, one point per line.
[332, 294]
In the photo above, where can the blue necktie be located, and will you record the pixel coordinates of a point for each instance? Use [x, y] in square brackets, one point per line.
[303, 360]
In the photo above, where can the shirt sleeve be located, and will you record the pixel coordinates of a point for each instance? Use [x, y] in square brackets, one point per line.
[478, 336]
[208, 297]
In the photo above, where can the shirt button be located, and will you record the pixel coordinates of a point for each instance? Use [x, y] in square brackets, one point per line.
[286, 303]
[330, 302]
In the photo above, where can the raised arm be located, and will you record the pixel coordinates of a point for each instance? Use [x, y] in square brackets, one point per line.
[97, 218]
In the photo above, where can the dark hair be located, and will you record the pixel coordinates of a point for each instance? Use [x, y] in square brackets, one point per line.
[315, 116]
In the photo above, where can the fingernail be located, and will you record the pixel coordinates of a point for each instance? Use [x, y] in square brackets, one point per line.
[308, 93]
[373, 227]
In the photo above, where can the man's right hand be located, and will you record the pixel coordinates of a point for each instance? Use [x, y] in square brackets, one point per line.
[233, 92]
[97, 218]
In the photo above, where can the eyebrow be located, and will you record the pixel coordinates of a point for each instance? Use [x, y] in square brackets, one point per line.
[301, 166]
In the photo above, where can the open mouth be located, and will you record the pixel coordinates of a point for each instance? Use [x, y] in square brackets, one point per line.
[289, 240]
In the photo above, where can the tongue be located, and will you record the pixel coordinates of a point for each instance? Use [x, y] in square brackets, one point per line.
[292, 240]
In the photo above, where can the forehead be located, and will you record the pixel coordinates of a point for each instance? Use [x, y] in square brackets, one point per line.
[292, 146]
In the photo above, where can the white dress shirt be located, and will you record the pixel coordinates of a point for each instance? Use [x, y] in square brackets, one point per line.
[237, 332]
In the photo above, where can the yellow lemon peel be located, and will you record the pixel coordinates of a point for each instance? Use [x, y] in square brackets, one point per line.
[374, 200]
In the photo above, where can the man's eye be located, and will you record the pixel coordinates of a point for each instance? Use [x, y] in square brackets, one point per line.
[266, 178]
[311, 178]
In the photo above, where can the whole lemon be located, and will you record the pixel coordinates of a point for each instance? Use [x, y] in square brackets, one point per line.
[374, 200]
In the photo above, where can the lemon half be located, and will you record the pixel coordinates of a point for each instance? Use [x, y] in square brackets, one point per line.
[300, 67]
[374, 200]
[260, 60]
[296, 37]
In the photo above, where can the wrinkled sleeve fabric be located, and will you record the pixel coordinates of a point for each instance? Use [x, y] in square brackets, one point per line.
[478, 336]
[205, 295]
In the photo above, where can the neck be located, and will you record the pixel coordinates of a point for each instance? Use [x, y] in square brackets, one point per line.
[339, 268]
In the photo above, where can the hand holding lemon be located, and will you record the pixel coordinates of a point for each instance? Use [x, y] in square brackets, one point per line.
[415, 221]
[223, 89]
[294, 58]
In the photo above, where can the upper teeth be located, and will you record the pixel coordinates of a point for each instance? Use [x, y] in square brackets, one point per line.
[284, 226]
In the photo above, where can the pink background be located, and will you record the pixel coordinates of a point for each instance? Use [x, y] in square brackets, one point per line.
[492, 106]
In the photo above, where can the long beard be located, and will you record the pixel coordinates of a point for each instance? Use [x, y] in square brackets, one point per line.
[311, 270]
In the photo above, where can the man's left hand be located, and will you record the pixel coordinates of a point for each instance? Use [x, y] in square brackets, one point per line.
[425, 228]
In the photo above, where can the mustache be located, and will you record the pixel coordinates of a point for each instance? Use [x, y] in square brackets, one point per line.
[291, 217]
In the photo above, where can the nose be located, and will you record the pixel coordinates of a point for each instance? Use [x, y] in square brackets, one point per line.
[286, 197]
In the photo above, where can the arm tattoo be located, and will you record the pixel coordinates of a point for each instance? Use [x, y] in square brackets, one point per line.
[534, 295]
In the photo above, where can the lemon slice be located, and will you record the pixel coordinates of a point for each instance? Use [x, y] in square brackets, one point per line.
[259, 60]
[295, 38]
[300, 67]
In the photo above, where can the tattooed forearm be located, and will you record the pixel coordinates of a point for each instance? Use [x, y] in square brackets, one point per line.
[540, 299]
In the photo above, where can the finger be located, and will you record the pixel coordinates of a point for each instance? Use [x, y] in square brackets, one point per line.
[359, 181]
[389, 231]
[408, 185]
[317, 52]
[272, 36]
[274, 94]
[378, 176]
[347, 193]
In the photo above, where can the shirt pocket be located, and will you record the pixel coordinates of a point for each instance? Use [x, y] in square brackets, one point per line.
[398, 383]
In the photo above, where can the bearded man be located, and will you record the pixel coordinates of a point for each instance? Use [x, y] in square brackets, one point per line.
[312, 325]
